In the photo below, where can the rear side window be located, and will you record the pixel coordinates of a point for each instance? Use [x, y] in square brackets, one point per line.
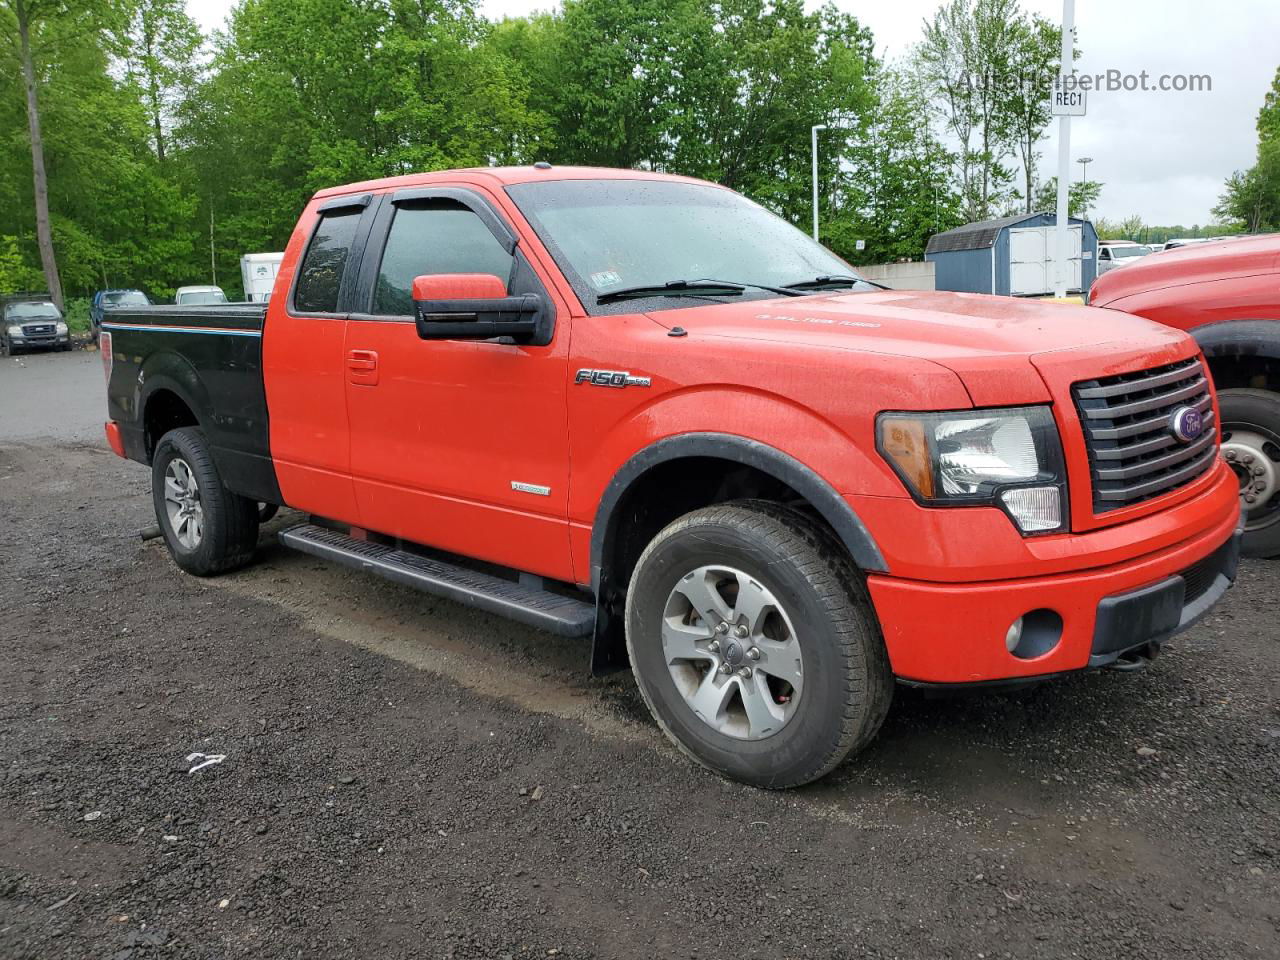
[431, 237]
[321, 273]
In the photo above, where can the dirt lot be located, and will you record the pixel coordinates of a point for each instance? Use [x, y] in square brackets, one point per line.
[406, 778]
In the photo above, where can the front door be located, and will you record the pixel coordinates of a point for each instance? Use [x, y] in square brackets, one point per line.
[460, 445]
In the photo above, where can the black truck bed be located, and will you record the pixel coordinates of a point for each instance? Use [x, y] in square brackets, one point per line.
[203, 363]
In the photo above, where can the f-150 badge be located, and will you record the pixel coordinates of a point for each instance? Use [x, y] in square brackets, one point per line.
[610, 378]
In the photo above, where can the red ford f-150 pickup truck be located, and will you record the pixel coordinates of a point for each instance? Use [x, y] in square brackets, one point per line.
[1226, 294]
[641, 408]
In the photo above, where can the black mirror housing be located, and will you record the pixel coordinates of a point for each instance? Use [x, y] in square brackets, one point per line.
[524, 319]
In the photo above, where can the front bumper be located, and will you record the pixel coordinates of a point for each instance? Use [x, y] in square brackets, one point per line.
[28, 343]
[955, 633]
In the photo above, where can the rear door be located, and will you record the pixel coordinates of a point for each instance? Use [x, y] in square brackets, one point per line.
[304, 367]
[460, 445]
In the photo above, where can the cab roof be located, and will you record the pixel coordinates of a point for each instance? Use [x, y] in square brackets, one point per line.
[504, 176]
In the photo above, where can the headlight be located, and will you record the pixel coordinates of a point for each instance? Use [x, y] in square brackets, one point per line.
[1008, 458]
[61, 329]
[15, 331]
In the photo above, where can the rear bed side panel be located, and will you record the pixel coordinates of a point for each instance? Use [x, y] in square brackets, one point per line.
[211, 359]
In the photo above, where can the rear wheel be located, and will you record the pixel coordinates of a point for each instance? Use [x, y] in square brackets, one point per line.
[207, 528]
[755, 646]
[1251, 445]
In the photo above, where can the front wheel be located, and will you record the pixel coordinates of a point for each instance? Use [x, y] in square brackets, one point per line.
[207, 528]
[1251, 445]
[755, 646]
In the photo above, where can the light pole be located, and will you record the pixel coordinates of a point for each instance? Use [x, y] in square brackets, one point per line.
[813, 134]
[1084, 179]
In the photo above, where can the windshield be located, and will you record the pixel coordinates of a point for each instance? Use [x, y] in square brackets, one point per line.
[198, 297]
[611, 235]
[126, 298]
[1121, 252]
[33, 311]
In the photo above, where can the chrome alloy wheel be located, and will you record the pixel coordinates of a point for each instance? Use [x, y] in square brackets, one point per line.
[182, 503]
[1254, 454]
[732, 652]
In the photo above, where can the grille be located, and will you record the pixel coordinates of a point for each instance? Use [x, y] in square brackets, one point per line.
[1133, 453]
[36, 330]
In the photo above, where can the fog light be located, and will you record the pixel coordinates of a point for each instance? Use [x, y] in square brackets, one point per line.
[1034, 509]
[1014, 636]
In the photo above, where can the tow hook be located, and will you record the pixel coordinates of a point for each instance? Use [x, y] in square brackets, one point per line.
[1132, 661]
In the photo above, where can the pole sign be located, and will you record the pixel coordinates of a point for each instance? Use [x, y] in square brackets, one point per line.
[1067, 98]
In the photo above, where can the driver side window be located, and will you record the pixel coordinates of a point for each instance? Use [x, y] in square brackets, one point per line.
[433, 237]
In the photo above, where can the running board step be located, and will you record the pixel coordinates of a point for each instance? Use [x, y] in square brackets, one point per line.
[538, 608]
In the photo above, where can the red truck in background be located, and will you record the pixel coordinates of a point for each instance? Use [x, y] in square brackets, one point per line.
[1226, 294]
[641, 408]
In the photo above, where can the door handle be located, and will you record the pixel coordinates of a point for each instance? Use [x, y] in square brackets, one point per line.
[362, 367]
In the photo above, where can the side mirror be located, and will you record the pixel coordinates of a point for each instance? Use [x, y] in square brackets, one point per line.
[473, 306]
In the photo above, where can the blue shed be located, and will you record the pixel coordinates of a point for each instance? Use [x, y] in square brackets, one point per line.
[1012, 256]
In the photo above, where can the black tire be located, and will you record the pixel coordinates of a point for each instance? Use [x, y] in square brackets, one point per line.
[847, 683]
[1258, 412]
[266, 511]
[230, 522]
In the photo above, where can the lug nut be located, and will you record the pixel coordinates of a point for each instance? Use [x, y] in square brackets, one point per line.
[1259, 486]
[714, 645]
[1259, 470]
[1230, 454]
[745, 673]
[754, 653]
[725, 668]
[722, 627]
[740, 632]
[1248, 458]
[1250, 498]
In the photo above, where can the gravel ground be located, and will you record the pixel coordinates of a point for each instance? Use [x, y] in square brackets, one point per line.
[406, 778]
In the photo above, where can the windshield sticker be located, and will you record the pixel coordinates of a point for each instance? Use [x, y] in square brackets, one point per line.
[605, 279]
[823, 321]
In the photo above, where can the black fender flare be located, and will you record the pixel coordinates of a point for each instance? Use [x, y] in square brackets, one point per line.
[1239, 338]
[829, 504]
[169, 371]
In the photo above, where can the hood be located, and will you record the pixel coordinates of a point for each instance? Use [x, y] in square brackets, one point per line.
[987, 341]
[1196, 263]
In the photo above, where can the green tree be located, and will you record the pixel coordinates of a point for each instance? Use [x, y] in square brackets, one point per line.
[898, 188]
[1081, 196]
[1034, 56]
[162, 48]
[1251, 198]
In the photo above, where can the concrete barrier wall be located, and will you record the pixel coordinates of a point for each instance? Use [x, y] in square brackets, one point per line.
[917, 275]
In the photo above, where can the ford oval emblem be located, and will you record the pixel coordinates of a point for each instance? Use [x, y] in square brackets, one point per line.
[1186, 423]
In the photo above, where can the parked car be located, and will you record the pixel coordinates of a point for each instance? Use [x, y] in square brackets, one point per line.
[1227, 296]
[641, 408]
[31, 321]
[1119, 253]
[1187, 242]
[106, 299]
[196, 296]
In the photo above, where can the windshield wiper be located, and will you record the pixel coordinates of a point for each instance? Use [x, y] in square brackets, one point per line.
[691, 288]
[836, 281]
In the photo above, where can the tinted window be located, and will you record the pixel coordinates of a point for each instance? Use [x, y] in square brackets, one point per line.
[429, 237]
[201, 298]
[129, 298]
[326, 259]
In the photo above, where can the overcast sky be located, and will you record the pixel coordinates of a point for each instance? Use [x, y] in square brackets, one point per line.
[1161, 155]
